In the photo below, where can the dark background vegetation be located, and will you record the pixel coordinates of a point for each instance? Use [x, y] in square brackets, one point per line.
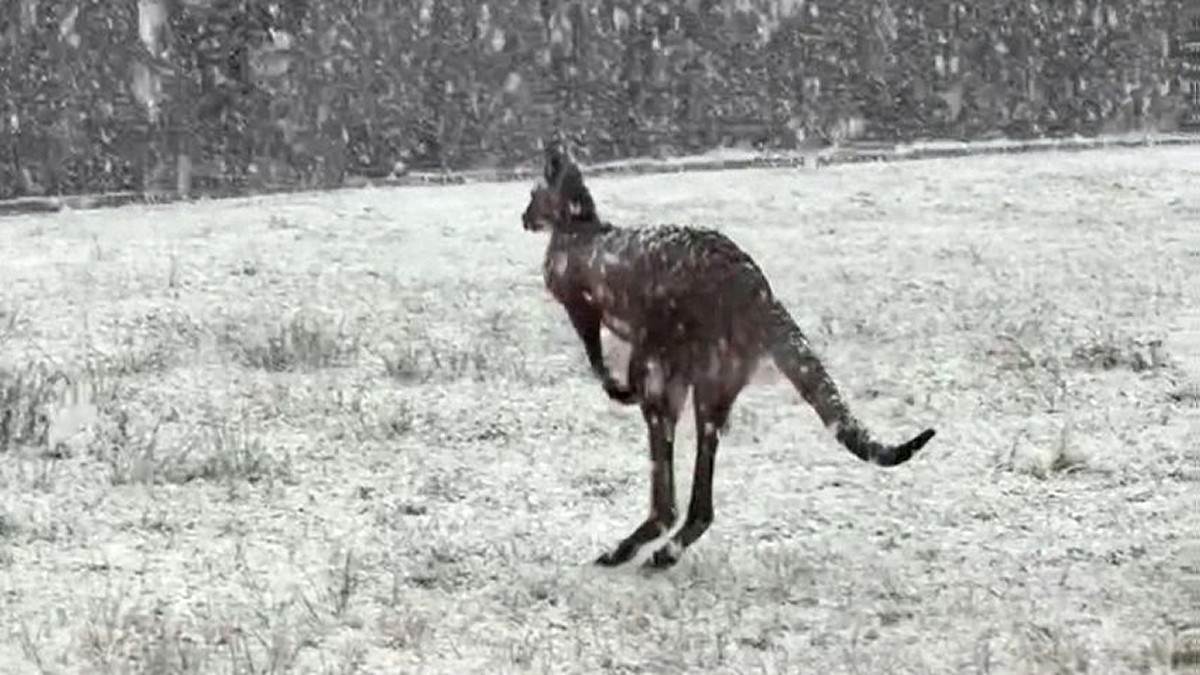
[103, 95]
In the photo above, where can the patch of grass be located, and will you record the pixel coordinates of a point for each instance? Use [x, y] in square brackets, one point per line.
[230, 453]
[400, 422]
[1050, 649]
[298, 341]
[121, 635]
[72, 416]
[1040, 343]
[223, 452]
[9, 323]
[1186, 393]
[118, 631]
[1043, 459]
[8, 530]
[1184, 649]
[491, 351]
[1111, 352]
[1043, 360]
[423, 359]
[8, 526]
[449, 488]
[404, 630]
[129, 452]
[31, 646]
[341, 583]
[1044, 382]
[1176, 652]
[445, 565]
[357, 413]
[27, 396]
[602, 483]
[154, 342]
[395, 515]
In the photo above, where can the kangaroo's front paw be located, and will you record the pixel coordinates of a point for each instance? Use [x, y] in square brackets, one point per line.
[619, 392]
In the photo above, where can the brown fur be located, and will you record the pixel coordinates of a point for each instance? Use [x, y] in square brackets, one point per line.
[698, 314]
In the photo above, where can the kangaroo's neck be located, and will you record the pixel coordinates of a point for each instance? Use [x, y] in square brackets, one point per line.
[580, 234]
[580, 257]
[584, 225]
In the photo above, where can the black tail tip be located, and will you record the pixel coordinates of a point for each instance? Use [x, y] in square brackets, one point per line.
[902, 453]
[921, 439]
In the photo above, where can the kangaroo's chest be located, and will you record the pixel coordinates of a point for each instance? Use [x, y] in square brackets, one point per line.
[601, 280]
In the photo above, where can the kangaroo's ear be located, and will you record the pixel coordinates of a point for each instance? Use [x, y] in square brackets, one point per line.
[564, 176]
[557, 160]
[573, 189]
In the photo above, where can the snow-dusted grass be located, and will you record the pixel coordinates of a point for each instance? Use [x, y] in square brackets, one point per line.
[349, 432]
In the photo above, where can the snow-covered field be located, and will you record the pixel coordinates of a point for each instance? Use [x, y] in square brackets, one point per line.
[349, 432]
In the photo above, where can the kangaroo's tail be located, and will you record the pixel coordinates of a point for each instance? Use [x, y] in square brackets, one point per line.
[794, 356]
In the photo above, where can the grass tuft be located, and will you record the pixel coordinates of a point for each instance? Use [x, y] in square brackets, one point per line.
[1051, 649]
[134, 451]
[299, 341]
[27, 396]
[154, 342]
[1187, 394]
[340, 585]
[404, 630]
[1046, 458]
[491, 351]
[10, 321]
[423, 359]
[122, 635]
[1111, 352]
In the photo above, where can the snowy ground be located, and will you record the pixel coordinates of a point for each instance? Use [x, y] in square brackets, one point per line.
[350, 432]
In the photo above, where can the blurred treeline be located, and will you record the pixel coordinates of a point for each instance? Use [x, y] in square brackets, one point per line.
[103, 95]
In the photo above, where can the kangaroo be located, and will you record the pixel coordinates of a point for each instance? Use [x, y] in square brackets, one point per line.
[698, 314]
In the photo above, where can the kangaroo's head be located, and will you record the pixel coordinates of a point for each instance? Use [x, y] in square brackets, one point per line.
[560, 199]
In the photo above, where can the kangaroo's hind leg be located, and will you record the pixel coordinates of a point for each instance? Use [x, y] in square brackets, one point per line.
[712, 399]
[662, 393]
